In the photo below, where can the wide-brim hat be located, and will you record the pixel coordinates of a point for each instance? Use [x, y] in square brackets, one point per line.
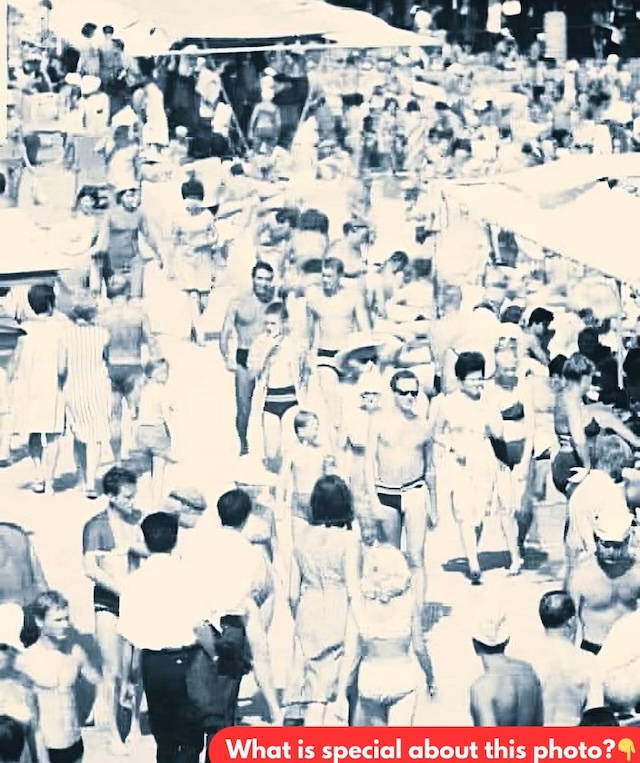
[360, 346]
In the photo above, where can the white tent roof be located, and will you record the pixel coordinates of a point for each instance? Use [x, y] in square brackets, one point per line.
[562, 207]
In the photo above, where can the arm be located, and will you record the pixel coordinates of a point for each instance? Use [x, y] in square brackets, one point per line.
[350, 661]
[361, 314]
[257, 638]
[148, 337]
[145, 230]
[420, 645]
[101, 243]
[295, 583]
[285, 483]
[576, 430]
[227, 331]
[34, 741]
[312, 321]
[95, 573]
[130, 673]
[608, 420]
[87, 671]
[370, 464]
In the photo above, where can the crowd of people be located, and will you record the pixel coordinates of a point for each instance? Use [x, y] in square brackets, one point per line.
[384, 385]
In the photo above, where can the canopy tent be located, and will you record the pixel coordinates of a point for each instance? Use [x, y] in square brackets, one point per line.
[149, 28]
[566, 207]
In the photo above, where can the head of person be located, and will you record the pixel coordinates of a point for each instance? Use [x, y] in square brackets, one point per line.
[578, 373]
[599, 716]
[506, 361]
[157, 370]
[385, 574]
[490, 633]
[556, 367]
[107, 31]
[118, 287]
[470, 372]
[539, 321]
[286, 219]
[613, 455]
[11, 625]
[274, 319]
[234, 508]
[192, 192]
[370, 389]
[51, 613]
[332, 272]
[355, 232]
[512, 314]
[397, 265]
[188, 504]
[331, 503]
[129, 199]
[84, 312]
[588, 341]
[405, 388]
[262, 281]
[88, 31]
[119, 485]
[612, 534]
[314, 220]
[86, 202]
[160, 532]
[306, 426]
[12, 739]
[557, 612]
[42, 299]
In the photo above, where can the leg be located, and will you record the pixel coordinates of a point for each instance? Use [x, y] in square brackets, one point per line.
[314, 714]
[244, 392]
[80, 456]
[158, 468]
[370, 713]
[390, 525]
[92, 450]
[137, 278]
[416, 511]
[50, 460]
[110, 649]
[194, 316]
[330, 389]
[272, 438]
[402, 712]
[116, 426]
[469, 539]
[36, 451]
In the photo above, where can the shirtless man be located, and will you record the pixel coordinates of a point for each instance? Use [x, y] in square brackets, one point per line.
[112, 546]
[277, 359]
[349, 250]
[460, 424]
[54, 665]
[396, 464]
[245, 318]
[333, 313]
[129, 332]
[605, 585]
[509, 692]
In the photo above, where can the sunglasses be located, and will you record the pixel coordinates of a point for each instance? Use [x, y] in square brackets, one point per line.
[405, 392]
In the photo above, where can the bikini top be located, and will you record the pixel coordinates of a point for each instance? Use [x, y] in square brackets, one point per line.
[514, 412]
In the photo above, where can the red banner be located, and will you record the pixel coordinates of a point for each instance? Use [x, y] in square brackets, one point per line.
[335, 745]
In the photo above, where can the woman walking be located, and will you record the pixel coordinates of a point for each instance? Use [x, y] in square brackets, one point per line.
[87, 392]
[37, 387]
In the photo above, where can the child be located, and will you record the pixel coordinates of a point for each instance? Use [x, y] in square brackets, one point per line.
[154, 424]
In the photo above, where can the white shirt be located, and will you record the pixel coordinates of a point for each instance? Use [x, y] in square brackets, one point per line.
[231, 568]
[158, 605]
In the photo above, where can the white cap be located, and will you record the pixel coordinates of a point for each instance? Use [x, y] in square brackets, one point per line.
[491, 628]
[11, 624]
[124, 118]
[74, 79]
[612, 525]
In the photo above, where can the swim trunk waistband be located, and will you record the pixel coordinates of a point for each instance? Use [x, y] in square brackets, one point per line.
[281, 394]
[327, 353]
[387, 490]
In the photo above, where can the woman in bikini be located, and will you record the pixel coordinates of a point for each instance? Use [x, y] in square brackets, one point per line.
[385, 638]
[578, 424]
[278, 362]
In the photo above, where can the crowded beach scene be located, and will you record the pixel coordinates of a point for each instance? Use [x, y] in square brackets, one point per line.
[319, 370]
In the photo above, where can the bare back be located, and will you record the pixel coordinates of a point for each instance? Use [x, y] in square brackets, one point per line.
[508, 695]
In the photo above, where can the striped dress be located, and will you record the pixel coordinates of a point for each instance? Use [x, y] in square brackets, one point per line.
[87, 390]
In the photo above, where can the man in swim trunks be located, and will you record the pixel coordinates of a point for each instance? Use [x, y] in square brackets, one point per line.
[245, 319]
[396, 464]
[509, 692]
[333, 313]
[112, 546]
[129, 331]
[605, 585]
[278, 359]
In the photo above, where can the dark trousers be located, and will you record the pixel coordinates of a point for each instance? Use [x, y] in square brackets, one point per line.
[173, 719]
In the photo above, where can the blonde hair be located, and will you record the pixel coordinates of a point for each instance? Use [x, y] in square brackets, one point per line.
[385, 574]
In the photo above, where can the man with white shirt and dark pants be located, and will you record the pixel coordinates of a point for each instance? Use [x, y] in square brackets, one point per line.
[159, 614]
